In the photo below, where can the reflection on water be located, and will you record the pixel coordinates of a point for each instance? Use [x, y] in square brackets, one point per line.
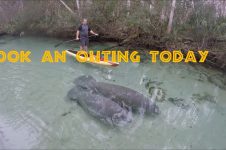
[33, 103]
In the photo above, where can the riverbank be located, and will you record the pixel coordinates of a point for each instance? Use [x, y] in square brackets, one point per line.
[133, 24]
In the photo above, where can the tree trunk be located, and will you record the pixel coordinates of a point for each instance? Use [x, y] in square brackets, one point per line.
[78, 7]
[163, 12]
[128, 5]
[170, 24]
[189, 11]
[67, 7]
[21, 7]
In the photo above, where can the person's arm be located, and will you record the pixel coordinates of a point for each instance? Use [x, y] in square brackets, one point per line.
[77, 35]
[78, 32]
[91, 31]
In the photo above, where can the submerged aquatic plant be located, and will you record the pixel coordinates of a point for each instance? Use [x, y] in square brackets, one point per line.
[179, 102]
[203, 97]
[158, 93]
[155, 90]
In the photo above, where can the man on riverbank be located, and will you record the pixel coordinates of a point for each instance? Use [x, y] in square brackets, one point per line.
[82, 34]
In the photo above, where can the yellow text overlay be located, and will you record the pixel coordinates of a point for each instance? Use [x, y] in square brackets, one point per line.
[107, 56]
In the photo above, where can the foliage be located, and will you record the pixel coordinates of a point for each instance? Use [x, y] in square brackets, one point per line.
[139, 21]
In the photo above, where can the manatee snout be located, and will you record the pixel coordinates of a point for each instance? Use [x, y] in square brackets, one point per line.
[72, 94]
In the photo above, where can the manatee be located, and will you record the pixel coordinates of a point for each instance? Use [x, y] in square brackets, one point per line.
[85, 81]
[122, 95]
[100, 107]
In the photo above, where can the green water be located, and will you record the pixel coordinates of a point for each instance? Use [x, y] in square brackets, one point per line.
[33, 99]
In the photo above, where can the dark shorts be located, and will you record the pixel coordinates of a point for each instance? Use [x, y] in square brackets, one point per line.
[84, 41]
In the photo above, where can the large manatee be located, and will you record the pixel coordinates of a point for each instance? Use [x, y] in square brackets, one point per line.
[101, 107]
[122, 95]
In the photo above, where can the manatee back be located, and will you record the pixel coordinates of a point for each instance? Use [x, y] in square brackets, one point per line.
[123, 94]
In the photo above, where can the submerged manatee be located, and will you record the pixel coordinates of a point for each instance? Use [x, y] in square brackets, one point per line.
[101, 107]
[119, 94]
[86, 82]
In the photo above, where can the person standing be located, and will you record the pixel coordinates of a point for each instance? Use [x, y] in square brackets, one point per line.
[82, 34]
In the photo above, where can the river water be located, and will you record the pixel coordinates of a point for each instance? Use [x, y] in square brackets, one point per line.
[34, 106]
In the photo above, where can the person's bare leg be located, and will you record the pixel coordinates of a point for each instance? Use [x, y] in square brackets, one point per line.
[81, 47]
[85, 48]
